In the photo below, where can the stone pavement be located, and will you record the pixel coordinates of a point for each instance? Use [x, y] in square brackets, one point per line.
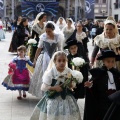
[10, 107]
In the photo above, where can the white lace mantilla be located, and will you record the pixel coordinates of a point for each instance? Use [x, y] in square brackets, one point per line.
[103, 42]
[39, 30]
[80, 36]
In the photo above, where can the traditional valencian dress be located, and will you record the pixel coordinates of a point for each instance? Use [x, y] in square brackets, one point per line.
[61, 26]
[102, 43]
[49, 47]
[105, 82]
[68, 32]
[62, 106]
[36, 32]
[20, 78]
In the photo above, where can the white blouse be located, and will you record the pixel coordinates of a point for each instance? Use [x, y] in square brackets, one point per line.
[80, 36]
[111, 83]
[53, 74]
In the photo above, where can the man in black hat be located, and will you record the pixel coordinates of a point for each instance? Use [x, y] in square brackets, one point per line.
[104, 82]
[72, 46]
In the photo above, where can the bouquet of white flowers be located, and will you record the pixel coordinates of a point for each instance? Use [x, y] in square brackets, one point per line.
[73, 77]
[78, 76]
[32, 42]
[78, 62]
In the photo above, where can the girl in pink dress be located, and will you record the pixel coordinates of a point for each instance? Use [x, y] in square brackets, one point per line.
[19, 79]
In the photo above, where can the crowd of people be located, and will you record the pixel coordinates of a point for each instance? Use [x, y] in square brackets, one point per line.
[59, 50]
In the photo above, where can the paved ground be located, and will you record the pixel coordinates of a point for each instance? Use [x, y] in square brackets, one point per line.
[10, 107]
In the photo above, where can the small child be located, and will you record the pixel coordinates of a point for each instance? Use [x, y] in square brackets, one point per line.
[56, 108]
[104, 82]
[72, 46]
[18, 78]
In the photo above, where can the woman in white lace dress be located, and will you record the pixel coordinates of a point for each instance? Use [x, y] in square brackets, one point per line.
[62, 105]
[68, 29]
[61, 23]
[38, 28]
[49, 43]
[109, 39]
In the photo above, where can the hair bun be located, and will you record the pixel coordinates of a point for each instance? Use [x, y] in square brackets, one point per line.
[51, 25]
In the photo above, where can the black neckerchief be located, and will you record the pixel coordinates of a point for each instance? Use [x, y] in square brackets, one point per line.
[106, 69]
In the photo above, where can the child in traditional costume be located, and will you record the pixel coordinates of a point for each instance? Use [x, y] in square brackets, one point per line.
[72, 46]
[105, 81]
[18, 78]
[61, 105]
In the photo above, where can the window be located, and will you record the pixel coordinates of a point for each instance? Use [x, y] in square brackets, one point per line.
[116, 17]
[96, 1]
[116, 4]
[104, 1]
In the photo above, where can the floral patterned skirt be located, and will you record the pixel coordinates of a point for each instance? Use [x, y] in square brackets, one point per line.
[36, 81]
[56, 109]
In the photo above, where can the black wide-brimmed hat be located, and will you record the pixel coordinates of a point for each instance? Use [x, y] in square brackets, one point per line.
[108, 54]
[71, 43]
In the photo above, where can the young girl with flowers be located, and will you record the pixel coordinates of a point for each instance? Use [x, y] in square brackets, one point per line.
[61, 105]
[18, 78]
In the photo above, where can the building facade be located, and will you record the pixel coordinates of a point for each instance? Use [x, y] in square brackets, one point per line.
[116, 9]
[102, 8]
[70, 8]
[67, 8]
[12, 8]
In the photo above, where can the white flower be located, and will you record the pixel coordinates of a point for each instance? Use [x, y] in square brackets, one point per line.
[78, 61]
[77, 75]
[4, 28]
[32, 41]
